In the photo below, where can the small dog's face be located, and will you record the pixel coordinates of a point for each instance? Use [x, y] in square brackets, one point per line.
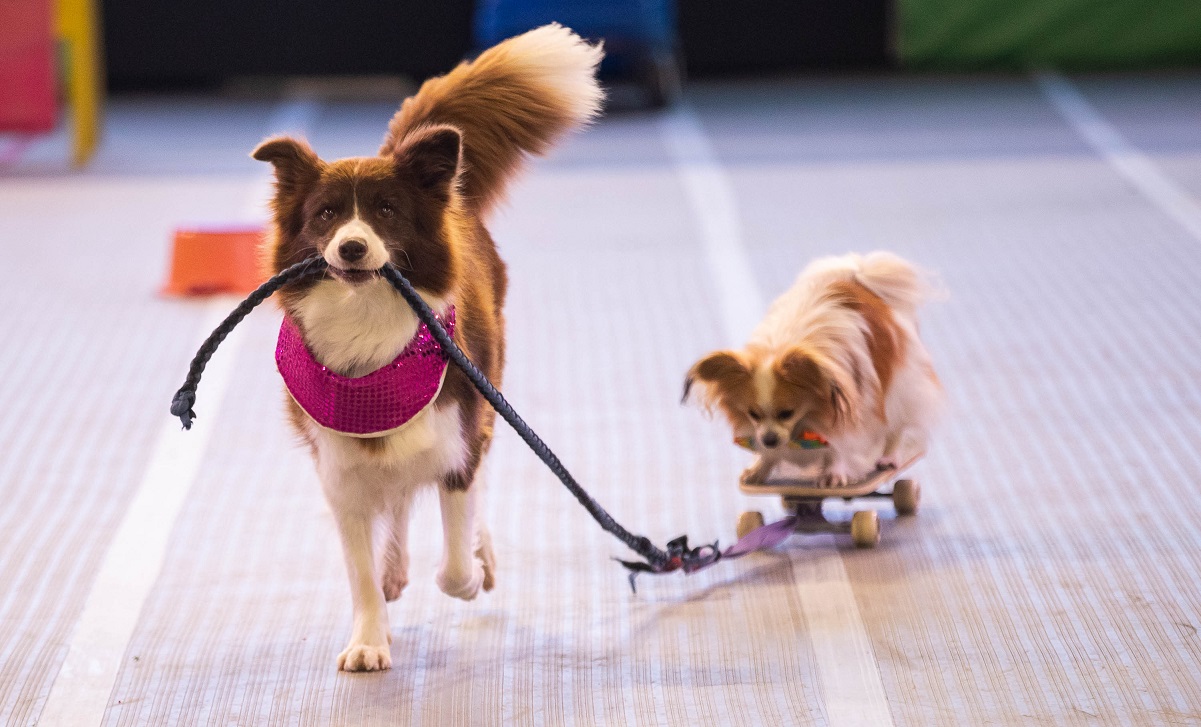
[769, 397]
[362, 212]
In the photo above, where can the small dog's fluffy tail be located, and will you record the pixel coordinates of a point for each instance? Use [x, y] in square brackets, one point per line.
[903, 286]
[515, 99]
[898, 282]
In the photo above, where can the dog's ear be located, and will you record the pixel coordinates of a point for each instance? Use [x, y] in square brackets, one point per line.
[799, 368]
[840, 404]
[294, 160]
[804, 370]
[431, 156]
[723, 368]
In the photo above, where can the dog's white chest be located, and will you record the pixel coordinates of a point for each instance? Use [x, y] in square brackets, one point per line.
[355, 332]
[425, 450]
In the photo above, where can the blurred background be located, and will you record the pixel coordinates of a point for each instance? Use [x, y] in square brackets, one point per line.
[57, 54]
[1041, 157]
[155, 45]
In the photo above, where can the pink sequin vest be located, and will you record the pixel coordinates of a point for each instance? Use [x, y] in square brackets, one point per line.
[379, 403]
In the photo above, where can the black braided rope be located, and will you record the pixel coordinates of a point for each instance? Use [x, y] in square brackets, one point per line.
[185, 398]
[638, 543]
[678, 555]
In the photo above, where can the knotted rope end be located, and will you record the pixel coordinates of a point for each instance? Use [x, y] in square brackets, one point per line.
[181, 406]
[679, 557]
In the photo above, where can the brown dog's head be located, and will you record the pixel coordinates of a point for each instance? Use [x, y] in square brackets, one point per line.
[362, 212]
[770, 396]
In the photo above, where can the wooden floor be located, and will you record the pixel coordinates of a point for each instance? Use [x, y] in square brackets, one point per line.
[156, 578]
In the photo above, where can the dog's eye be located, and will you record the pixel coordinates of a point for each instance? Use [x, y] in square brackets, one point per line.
[326, 213]
[386, 210]
[784, 414]
[754, 415]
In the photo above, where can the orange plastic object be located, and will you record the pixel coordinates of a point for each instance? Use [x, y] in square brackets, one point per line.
[210, 261]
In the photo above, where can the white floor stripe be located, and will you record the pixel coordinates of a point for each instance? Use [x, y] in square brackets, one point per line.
[135, 556]
[1127, 160]
[132, 563]
[713, 203]
[850, 678]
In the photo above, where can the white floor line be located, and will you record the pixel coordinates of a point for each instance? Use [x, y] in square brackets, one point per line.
[713, 203]
[131, 565]
[81, 692]
[850, 678]
[1107, 141]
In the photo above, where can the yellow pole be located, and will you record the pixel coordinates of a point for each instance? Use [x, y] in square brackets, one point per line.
[79, 27]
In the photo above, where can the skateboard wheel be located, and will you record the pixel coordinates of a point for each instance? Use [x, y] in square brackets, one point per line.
[749, 521]
[906, 496]
[865, 529]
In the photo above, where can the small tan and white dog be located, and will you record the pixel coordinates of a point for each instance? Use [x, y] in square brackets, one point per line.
[421, 204]
[838, 355]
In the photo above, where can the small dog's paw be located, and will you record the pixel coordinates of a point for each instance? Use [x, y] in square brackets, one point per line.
[756, 474]
[834, 478]
[887, 462]
[465, 586]
[365, 657]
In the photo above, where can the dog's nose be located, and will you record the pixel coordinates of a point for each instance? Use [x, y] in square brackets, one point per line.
[770, 440]
[352, 250]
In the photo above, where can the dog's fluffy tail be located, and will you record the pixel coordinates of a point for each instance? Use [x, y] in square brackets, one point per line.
[898, 282]
[515, 99]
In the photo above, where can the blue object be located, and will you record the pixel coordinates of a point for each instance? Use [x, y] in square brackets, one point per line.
[633, 30]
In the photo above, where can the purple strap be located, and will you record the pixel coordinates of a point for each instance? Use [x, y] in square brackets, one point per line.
[762, 538]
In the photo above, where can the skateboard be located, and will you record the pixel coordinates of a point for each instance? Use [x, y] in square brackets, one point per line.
[803, 499]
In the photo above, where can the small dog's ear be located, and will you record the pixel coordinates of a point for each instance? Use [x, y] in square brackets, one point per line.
[840, 404]
[432, 156]
[798, 368]
[720, 366]
[688, 381]
[801, 369]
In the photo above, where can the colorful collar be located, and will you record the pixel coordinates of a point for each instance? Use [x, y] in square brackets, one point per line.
[379, 403]
[803, 440]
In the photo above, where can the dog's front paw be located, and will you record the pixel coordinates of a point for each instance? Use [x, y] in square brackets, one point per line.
[463, 585]
[888, 462]
[365, 657]
[757, 473]
[835, 477]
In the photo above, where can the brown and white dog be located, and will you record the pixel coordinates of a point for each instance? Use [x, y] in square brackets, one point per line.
[837, 354]
[420, 204]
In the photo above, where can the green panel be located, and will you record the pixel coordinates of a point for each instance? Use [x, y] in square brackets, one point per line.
[1067, 34]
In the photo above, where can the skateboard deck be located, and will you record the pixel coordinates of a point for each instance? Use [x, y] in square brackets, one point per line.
[809, 489]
